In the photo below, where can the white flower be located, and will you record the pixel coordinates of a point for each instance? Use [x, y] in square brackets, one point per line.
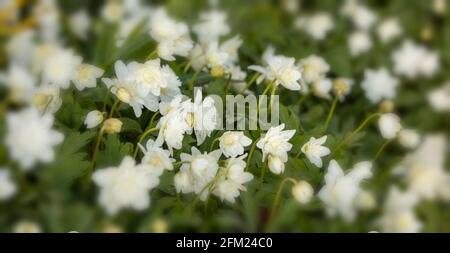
[439, 98]
[379, 84]
[342, 87]
[231, 179]
[47, 99]
[359, 42]
[314, 150]
[340, 190]
[408, 138]
[205, 117]
[173, 37]
[302, 192]
[197, 172]
[86, 76]
[7, 187]
[412, 60]
[398, 213]
[280, 70]
[363, 18]
[60, 67]
[365, 200]
[30, 137]
[318, 25]
[176, 121]
[126, 185]
[80, 22]
[313, 68]
[28, 227]
[20, 83]
[150, 77]
[157, 157]
[232, 143]
[275, 145]
[388, 30]
[212, 26]
[322, 88]
[126, 89]
[20, 46]
[93, 119]
[389, 125]
[440, 7]
[425, 169]
[112, 11]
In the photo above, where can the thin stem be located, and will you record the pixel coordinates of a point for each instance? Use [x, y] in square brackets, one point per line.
[381, 149]
[274, 89]
[252, 80]
[263, 172]
[212, 143]
[330, 114]
[94, 154]
[227, 86]
[153, 54]
[278, 195]
[357, 130]
[113, 108]
[264, 93]
[188, 65]
[153, 118]
[141, 138]
[197, 72]
[249, 158]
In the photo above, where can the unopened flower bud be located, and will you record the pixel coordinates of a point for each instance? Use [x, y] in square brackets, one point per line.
[112, 126]
[302, 192]
[93, 119]
[387, 106]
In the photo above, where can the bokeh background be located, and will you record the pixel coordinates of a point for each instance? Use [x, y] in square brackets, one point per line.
[52, 198]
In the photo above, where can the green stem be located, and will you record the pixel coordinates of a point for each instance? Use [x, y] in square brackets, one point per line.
[357, 130]
[212, 143]
[141, 138]
[252, 80]
[278, 195]
[250, 154]
[264, 93]
[94, 154]
[227, 86]
[381, 149]
[263, 172]
[153, 118]
[274, 89]
[113, 108]
[153, 54]
[191, 82]
[330, 114]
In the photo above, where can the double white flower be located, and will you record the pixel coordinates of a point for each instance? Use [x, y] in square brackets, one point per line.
[279, 69]
[232, 143]
[197, 173]
[274, 145]
[30, 137]
[126, 185]
[341, 190]
[173, 37]
[231, 179]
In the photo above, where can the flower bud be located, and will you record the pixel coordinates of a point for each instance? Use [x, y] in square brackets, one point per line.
[93, 119]
[302, 192]
[159, 226]
[386, 106]
[275, 164]
[112, 126]
[408, 138]
[389, 125]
